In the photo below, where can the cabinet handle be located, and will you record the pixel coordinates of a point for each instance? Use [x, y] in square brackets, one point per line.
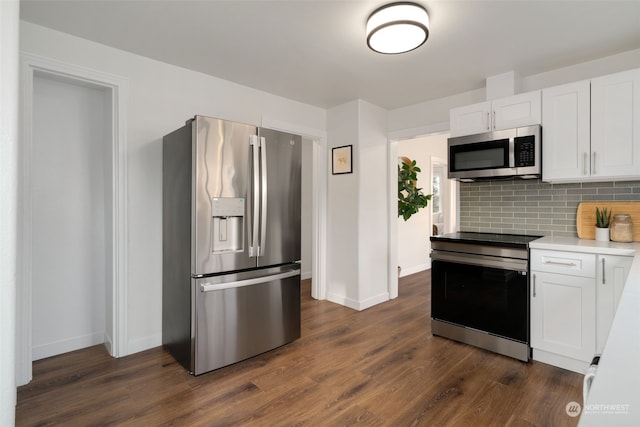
[494, 119]
[566, 264]
[603, 279]
[593, 169]
[584, 164]
[534, 285]
[488, 121]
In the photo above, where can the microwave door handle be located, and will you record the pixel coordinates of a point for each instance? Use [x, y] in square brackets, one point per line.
[512, 153]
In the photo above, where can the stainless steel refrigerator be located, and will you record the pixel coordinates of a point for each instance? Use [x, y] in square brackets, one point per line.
[231, 242]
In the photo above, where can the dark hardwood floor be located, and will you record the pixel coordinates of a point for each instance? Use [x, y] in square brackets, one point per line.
[377, 367]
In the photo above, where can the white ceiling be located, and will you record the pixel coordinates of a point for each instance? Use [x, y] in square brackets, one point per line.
[315, 51]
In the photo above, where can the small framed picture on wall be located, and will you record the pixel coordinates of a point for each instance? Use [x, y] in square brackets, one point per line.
[342, 162]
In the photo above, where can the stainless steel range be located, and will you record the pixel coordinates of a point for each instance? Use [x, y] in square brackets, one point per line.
[480, 290]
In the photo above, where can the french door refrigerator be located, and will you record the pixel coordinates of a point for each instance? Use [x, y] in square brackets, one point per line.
[231, 242]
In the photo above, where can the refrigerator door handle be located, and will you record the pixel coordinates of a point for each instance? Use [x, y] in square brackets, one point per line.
[263, 193]
[208, 287]
[255, 216]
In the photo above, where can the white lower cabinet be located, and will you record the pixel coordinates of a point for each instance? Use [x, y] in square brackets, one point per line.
[564, 319]
[574, 297]
[610, 279]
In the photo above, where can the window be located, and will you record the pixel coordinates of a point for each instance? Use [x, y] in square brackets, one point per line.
[435, 198]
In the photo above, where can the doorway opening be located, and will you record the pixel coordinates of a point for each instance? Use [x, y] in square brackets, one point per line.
[70, 205]
[72, 222]
[439, 217]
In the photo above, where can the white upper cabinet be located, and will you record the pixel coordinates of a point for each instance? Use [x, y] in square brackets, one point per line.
[615, 125]
[565, 132]
[524, 109]
[470, 119]
[591, 129]
[504, 113]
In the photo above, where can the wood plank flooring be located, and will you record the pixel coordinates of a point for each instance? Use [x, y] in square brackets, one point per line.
[378, 367]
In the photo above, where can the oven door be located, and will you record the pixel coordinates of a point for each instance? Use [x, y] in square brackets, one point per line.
[486, 293]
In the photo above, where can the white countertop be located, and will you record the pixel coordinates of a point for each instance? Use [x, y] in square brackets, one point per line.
[574, 244]
[614, 399]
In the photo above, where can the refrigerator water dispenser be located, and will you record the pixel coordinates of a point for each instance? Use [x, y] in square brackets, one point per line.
[228, 224]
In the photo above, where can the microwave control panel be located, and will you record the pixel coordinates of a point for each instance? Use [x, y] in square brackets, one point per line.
[524, 148]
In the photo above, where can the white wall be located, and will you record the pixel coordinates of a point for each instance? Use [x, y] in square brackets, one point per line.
[9, 23]
[343, 210]
[431, 112]
[68, 164]
[413, 235]
[357, 213]
[161, 98]
[373, 236]
[586, 70]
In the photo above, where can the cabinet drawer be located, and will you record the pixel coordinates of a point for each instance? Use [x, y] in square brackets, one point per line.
[571, 263]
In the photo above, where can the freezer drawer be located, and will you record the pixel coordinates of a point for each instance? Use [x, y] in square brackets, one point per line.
[242, 315]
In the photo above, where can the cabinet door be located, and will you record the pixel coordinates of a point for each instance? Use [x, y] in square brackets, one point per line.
[615, 125]
[515, 111]
[565, 132]
[470, 119]
[563, 315]
[610, 279]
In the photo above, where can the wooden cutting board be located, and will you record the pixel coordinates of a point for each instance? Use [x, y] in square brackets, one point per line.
[586, 217]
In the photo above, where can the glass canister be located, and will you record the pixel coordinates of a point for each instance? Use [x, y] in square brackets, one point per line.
[621, 228]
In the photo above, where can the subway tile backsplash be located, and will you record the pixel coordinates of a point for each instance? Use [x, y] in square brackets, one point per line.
[533, 206]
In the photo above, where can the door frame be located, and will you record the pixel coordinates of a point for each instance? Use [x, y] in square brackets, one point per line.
[392, 173]
[117, 89]
[319, 202]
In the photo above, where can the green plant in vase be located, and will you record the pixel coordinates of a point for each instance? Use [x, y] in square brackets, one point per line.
[603, 218]
[410, 198]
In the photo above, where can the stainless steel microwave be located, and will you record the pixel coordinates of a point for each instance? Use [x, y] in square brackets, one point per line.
[499, 154]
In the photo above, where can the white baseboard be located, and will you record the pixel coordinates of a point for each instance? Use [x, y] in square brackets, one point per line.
[342, 300]
[355, 304]
[145, 343]
[563, 362]
[374, 300]
[406, 271]
[108, 343]
[67, 345]
[305, 275]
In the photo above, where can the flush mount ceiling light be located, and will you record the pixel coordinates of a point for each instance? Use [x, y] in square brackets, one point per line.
[397, 28]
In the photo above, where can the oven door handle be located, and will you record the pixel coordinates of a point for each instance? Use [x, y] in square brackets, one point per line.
[481, 260]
